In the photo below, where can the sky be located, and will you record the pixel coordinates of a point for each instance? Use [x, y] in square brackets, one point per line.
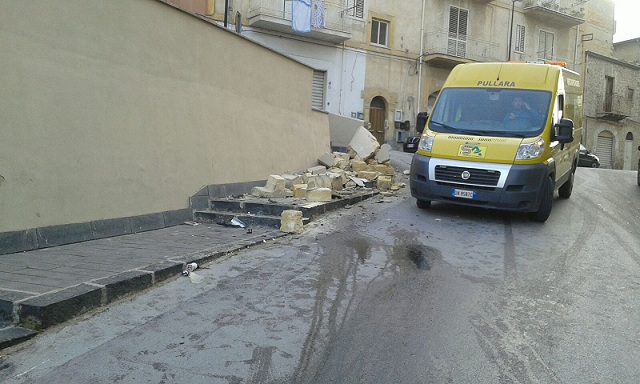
[627, 23]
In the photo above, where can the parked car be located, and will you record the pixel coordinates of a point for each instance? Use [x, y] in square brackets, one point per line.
[411, 144]
[587, 159]
[638, 168]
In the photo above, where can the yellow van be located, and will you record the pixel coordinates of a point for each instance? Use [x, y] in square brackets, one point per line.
[503, 136]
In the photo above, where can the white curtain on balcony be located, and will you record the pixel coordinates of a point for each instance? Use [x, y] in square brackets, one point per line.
[318, 14]
[301, 15]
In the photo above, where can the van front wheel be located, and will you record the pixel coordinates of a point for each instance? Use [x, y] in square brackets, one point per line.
[423, 204]
[546, 202]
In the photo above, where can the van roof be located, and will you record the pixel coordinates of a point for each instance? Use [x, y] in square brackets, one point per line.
[505, 75]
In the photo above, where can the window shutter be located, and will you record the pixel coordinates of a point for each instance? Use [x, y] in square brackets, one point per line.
[359, 8]
[458, 21]
[520, 38]
[355, 8]
[317, 90]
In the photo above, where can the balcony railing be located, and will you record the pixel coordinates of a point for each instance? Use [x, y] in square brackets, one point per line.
[615, 108]
[275, 15]
[445, 50]
[554, 11]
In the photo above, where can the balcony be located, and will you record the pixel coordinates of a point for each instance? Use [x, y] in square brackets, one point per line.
[446, 52]
[554, 11]
[615, 108]
[275, 15]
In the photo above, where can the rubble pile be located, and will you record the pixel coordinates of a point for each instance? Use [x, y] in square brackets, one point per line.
[366, 164]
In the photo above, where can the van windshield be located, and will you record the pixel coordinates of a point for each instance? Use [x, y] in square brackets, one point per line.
[495, 112]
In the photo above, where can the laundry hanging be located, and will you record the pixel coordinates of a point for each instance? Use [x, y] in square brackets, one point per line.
[301, 15]
[318, 14]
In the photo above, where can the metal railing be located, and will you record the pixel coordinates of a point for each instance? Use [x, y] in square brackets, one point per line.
[335, 18]
[467, 48]
[565, 7]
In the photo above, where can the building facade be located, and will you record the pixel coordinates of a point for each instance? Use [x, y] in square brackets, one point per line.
[383, 62]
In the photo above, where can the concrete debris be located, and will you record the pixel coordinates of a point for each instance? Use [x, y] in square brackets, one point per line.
[365, 165]
[276, 187]
[384, 182]
[383, 156]
[363, 144]
[291, 221]
[319, 194]
[327, 159]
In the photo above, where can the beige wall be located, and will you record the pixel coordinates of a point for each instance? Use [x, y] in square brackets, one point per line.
[121, 108]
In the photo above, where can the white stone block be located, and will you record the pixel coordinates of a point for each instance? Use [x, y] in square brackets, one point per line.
[363, 143]
[319, 194]
[291, 221]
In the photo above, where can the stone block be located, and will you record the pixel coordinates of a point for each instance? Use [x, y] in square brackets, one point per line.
[382, 155]
[384, 169]
[363, 143]
[327, 160]
[291, 180]
[358, 165]
[337, 182]
[319, 194]
[276, 182]
[291, 221]
[384, 182]
[300, 191]
[342, 164]
[319, 181]
[341, 156]
[368, 175]
[275, 187]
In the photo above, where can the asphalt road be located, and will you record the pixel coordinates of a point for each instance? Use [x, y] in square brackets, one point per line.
[383, 292]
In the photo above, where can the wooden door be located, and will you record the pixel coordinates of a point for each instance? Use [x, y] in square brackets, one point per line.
[376, 118]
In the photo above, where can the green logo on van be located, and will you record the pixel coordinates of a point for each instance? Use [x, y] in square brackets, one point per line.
[472, 150]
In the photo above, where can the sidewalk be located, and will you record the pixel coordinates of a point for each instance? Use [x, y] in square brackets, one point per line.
[49, 286]
[45, 287]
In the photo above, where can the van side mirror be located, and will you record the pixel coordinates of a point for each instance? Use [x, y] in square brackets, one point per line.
[563, 131]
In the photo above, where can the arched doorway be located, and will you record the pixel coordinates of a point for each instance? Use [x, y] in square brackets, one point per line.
[377, 113]
[628, 152]
[604, 149]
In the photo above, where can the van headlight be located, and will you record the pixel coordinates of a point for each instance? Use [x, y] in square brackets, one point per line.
[530, 150]
[426, 142]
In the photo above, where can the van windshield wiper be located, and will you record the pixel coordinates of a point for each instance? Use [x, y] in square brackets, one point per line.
[448, 128]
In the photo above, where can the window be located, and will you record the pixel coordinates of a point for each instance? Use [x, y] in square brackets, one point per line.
[545, 46]
[608, 94]
[630, 94]
[379, 32]
[317, 90]
[355, 8]
[519, 38]
[457, 42]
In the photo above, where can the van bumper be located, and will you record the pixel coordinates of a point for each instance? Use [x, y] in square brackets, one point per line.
[519, 191]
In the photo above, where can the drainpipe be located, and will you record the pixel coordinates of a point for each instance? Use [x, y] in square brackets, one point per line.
[575, 50]
[226, 12]
[420, 57]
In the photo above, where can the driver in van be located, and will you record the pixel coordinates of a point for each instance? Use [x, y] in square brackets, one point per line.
[522, 115]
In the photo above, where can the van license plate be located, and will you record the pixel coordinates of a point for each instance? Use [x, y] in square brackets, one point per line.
[463, 193]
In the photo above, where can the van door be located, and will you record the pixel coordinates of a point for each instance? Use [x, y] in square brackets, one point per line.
[561, 154]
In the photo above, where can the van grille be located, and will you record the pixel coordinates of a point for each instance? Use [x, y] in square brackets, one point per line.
[477, 176]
